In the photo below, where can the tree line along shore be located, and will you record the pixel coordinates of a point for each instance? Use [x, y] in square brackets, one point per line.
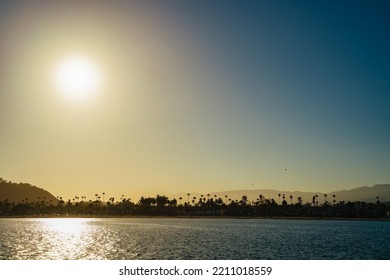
[203, 206]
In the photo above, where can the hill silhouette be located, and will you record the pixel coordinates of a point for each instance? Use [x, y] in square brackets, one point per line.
[367, 194]
[24, 192]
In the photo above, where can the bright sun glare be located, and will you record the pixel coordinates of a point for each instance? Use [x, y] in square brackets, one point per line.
[77, 77]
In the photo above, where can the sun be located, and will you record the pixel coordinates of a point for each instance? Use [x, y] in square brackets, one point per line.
[77, 77]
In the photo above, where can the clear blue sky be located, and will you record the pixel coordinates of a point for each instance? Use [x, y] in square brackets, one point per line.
[207, 96]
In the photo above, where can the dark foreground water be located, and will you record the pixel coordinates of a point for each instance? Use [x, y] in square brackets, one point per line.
[181, 238]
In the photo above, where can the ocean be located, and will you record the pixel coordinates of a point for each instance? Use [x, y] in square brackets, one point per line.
[192, 239]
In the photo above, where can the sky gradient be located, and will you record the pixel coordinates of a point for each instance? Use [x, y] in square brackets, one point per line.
[197, 96]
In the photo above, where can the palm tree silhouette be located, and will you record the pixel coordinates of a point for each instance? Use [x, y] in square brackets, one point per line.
[279, 197]
[188, 198]
[244, 199]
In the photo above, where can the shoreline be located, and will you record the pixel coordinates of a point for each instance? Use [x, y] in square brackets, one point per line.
[194, 217]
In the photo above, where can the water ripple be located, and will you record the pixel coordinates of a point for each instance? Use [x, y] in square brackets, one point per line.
[137, 238]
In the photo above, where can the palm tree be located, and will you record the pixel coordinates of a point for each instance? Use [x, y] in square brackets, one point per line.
[103, 196]
[226, 198]
[279, 197]
[291, 198]
[180, 198]
[188, 198]
[334, 199]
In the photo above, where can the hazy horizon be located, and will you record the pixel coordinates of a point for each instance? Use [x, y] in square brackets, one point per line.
[161, 97]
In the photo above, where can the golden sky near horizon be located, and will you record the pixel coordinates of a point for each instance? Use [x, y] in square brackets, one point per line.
[133, 98]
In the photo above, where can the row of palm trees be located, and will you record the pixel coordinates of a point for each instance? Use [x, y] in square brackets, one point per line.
[192, 205]
[259, 200]
[202, 200]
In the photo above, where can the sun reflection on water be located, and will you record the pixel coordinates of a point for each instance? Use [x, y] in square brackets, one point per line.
[65, 226]
[58, 239]
[65, 238]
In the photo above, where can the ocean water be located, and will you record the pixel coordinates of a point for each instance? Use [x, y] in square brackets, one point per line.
[186, 238]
